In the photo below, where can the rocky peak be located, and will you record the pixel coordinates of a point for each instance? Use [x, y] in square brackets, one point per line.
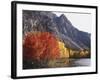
[65, 19]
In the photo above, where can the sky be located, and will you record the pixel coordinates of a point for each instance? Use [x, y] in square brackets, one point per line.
[81, 21]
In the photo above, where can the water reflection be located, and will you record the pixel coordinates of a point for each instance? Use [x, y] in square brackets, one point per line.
[69, 62]
[63, 62]
[80, 62]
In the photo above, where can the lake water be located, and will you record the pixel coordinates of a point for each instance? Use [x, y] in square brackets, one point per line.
[70, 62]
[80, 62]
[62, 62]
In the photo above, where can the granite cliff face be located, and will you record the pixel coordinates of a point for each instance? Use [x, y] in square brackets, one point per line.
[61, 27]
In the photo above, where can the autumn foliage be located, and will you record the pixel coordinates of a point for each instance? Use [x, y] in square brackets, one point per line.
[40, 46]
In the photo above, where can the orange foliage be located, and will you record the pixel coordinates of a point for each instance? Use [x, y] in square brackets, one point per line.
[40, 46]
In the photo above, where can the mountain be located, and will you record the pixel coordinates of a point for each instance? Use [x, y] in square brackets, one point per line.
[60, 26]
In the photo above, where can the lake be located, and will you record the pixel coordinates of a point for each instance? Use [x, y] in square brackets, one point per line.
[80, 62]
[57, 63]
[69, 62]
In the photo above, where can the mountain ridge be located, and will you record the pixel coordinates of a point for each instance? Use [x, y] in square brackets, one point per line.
[59, 26]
